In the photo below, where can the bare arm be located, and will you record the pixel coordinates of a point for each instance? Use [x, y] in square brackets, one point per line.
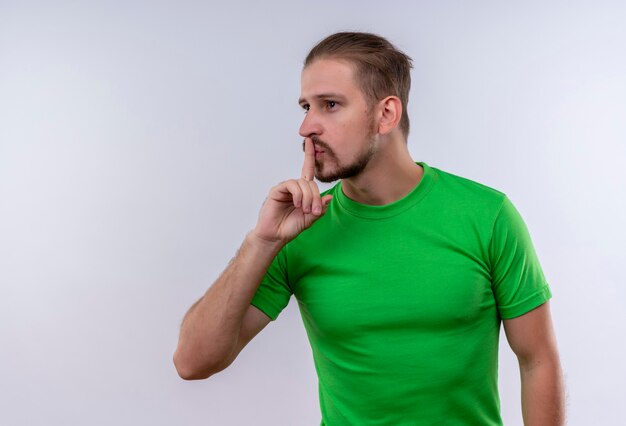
[211, 328]
[531, 337]
[222, 322]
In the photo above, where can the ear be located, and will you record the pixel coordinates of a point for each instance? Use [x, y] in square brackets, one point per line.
[390, 114]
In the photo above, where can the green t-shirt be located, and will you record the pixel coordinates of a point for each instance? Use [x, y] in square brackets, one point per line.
[402, 303]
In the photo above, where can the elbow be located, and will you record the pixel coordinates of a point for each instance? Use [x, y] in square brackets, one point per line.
[186, 373]
[188, 370]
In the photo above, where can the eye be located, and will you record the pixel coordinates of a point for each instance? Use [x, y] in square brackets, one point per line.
[331, 104]
[306, 107]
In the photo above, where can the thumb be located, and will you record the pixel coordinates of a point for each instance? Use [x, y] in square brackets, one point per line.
[326, 199]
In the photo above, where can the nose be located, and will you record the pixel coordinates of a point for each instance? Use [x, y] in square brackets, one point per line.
[311, 125]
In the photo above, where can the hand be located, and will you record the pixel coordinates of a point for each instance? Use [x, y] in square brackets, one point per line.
[292, 206]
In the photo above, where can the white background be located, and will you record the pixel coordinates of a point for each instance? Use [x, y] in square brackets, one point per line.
[139, 139]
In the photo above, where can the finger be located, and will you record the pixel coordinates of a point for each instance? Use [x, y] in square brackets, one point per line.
[307, 195]
[291, 188]
[326, 202]
[308, 168]
[316, 202]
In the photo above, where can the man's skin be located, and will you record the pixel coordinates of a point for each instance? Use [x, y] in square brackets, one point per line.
[342, 131]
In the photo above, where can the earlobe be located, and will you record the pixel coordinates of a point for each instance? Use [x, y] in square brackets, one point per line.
[391, 112]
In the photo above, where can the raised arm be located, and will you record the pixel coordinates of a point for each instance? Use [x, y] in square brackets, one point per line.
[532, 339]
[222, 322]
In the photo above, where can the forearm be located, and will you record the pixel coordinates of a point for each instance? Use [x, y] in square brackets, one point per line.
[210, 329]
[542, 393]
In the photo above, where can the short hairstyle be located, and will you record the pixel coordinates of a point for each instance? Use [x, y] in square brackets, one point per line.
[381, 69]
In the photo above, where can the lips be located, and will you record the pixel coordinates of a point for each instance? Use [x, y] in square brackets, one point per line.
[321, 148]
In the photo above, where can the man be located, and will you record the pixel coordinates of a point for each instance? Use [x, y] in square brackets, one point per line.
[402, 272]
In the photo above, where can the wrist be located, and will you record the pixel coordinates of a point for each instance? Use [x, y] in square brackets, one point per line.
[264, 244]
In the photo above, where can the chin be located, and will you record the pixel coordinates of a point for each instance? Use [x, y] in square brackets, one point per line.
[327, 179]
[336, 175]
[324, 176]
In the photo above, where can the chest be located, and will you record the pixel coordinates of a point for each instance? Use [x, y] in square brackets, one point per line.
[415, 279]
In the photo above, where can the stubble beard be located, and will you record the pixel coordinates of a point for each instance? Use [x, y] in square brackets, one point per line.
[342, 171]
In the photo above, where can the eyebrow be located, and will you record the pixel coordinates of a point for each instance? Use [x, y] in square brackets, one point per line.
[337, 96]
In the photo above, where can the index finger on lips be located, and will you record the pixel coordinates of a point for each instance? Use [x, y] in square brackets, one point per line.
[308, 168]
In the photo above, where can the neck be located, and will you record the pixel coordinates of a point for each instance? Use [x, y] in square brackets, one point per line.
[389, 176]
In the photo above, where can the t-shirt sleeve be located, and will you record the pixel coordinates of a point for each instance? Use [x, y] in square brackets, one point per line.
[274, 292]
[518, 281]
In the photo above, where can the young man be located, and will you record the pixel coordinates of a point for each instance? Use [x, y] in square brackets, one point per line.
[402, 272]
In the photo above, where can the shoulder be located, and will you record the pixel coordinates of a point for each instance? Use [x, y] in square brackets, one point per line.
[463, 184]
[463, 193]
